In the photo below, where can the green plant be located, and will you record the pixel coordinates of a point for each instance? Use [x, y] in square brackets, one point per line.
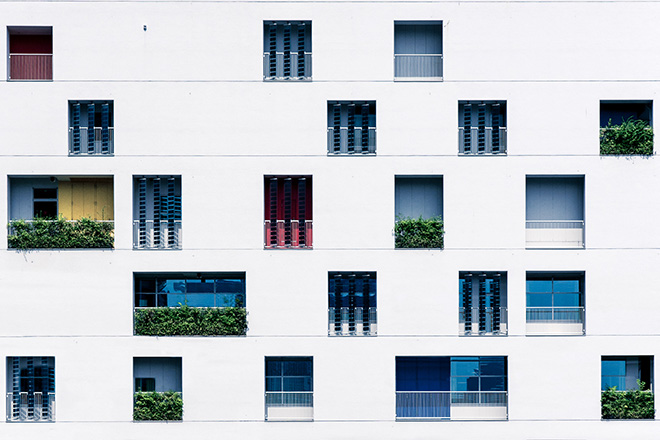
[158, 406]
[418, 233]
[60, 234]
[633, 136]
[190, 321]
[633, 404]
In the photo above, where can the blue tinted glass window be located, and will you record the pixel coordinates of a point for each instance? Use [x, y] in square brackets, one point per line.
[613, 367]
[200, 286]
[539, 300]
[567, 300]
[566, 286]
[172, 286]
[199, 300]
[539, 286]
[463, 368]
[175, 300]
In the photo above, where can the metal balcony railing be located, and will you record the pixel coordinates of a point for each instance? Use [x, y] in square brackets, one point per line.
[99, 141]
[483, 321]
[157, 234]
[438, 404]
[352, 140]
[30, 407]
[352, 321]
[289, 405]
[418, 66]
[288, 234]
[570, 315]
[554, 233]
[482, 141]
[30, 66]
[287, 66]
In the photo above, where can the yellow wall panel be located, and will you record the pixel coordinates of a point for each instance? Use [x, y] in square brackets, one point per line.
[92, 198]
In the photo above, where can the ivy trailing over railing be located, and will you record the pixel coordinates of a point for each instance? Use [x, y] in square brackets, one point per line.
[158, 406]
[190, 321]
[633, 136]
[419, 233]
[60, 234]
[633, 404]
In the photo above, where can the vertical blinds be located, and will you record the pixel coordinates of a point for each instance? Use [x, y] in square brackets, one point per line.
[351, 127]
[482, 127]
[158, 210]
[287, 46]
[288, 209]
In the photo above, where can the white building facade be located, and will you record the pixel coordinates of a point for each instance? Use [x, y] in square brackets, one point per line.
[265, 150]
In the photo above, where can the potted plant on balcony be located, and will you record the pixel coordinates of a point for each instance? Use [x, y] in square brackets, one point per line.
[632, 136]
[419, 233]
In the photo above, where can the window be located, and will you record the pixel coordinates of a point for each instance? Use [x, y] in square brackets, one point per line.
[289, 388]
[158, 387]
[91, 129]
[288, 212]
[455, 388]
[30, 53]
[626, 127]
[352, 303]
[351, 127]
[418, 212]
[287, 50]
[627, 387]
[482, 127]
[555, 303]
[44, 202]
[218, 299]
[30, 388]
[555, 212]
[418, 50]
[482, 303]
[157, 212]
[61, 212]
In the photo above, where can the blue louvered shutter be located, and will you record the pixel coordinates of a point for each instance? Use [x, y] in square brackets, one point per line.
[105, 132]
[75, 128]
[91, 135]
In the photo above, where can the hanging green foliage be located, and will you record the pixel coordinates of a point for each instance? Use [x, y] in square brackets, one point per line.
[190, 321]
[632, 136]
[158, 406]
[60, 234]
[418, 233]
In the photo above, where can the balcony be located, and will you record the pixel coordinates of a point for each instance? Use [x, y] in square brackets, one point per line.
[86, 142]
[30, 407]
[288, 66]
[555, 320]
[30, 66]
[157, 234]
[487, 321]
[451, 405]
[356, 321]
[61, 234]
[355, 140]
[554, 234]
[420, 67]
[489, 141]
[289, 405]
[157, 406]
[190, 321]
[288, 234]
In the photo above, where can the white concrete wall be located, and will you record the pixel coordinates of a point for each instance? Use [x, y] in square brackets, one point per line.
[189, 100]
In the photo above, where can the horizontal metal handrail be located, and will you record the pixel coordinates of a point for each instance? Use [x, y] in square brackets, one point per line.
[566, 314]
[157, 234]
[439, 404]
[554, 224]
[418, 66]
[24, 406]
[417, 55]
[31, 66]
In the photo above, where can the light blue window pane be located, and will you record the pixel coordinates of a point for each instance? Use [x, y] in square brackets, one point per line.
[613, 381]
[535, 286]
[459, 383]
[175, 300]
[613, 367]
[230, 300]
[200, 299]
[465, 368]
[567, 300]
[200, 286]
[566, 286]
[539, 300]
[273, 384]
[230, 286]
[171, 286]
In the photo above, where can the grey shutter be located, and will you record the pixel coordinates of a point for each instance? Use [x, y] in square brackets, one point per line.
[336, 135]
[350, 109]
[75, 125]
[105, 122]
[495, 124]
[482, 303]
[301, 50]
[157, 210]
[142, 212]
[171, 213]
[91, 136]
[286, 49]
[467, 302]
[272, 49]
[496, 303]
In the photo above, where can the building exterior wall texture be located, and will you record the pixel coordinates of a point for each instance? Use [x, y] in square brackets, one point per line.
[186, 80]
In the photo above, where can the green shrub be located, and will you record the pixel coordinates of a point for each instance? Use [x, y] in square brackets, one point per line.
[418, 233]
[633, 136]
[158, 406]
[60, 234]
[634, 404]
[190, 321]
